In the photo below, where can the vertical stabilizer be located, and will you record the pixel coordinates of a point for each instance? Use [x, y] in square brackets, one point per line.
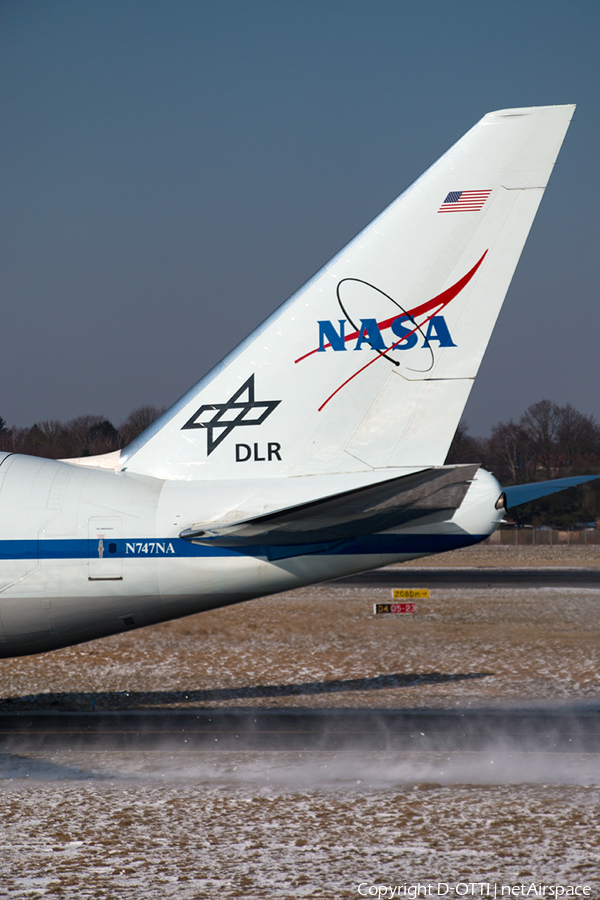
[369, 365]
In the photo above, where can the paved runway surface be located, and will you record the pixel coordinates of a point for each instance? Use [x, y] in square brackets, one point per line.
[477, 577]
[558, 729]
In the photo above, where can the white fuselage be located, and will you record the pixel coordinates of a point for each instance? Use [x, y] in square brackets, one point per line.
[85, 553]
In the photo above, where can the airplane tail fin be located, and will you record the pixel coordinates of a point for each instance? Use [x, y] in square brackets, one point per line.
[369, 365]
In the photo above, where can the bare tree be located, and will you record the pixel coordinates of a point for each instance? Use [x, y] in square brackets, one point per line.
[91, 436]
[578, 437]
[541, 423]
[137, 422]
[465, 448]
[509, 452]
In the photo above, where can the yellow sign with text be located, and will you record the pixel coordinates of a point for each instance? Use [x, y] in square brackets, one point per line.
[410, 593]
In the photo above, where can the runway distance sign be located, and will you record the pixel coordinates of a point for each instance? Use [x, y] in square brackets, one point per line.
[379, 608]
[410, 593]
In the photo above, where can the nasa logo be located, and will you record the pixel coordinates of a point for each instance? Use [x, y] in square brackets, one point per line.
[404, 327]
[421, 328]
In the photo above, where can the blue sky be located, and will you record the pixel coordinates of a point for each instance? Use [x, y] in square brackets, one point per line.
[172, 171]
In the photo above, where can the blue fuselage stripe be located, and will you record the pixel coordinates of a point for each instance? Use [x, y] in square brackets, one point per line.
[125, 548]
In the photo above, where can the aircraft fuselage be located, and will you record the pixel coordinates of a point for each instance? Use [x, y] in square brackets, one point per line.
[86, 553]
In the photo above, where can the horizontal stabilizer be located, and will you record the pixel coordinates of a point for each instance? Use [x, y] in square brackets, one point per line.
[433, 493]
[517, 494]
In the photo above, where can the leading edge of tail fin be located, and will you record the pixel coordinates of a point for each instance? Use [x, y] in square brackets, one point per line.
[369, 365]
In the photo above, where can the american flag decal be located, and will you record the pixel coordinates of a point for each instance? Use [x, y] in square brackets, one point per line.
[464, 201]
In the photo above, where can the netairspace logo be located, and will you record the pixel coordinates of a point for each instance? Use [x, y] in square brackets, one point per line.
[472, 889]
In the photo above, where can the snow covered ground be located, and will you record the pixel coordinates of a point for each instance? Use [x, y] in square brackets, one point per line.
[284, 826]
[522, 644]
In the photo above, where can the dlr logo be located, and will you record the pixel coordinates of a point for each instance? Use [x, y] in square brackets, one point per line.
[244, 452]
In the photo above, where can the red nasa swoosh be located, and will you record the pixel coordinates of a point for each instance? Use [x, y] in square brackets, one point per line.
[434, 306]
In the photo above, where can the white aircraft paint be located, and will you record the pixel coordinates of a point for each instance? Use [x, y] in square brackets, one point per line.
[316, 448]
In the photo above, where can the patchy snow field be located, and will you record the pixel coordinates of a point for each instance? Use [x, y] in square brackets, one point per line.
[284, 826]
[259, 825]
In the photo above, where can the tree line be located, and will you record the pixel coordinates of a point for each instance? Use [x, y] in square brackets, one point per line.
[82, 436]
[548, 441]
